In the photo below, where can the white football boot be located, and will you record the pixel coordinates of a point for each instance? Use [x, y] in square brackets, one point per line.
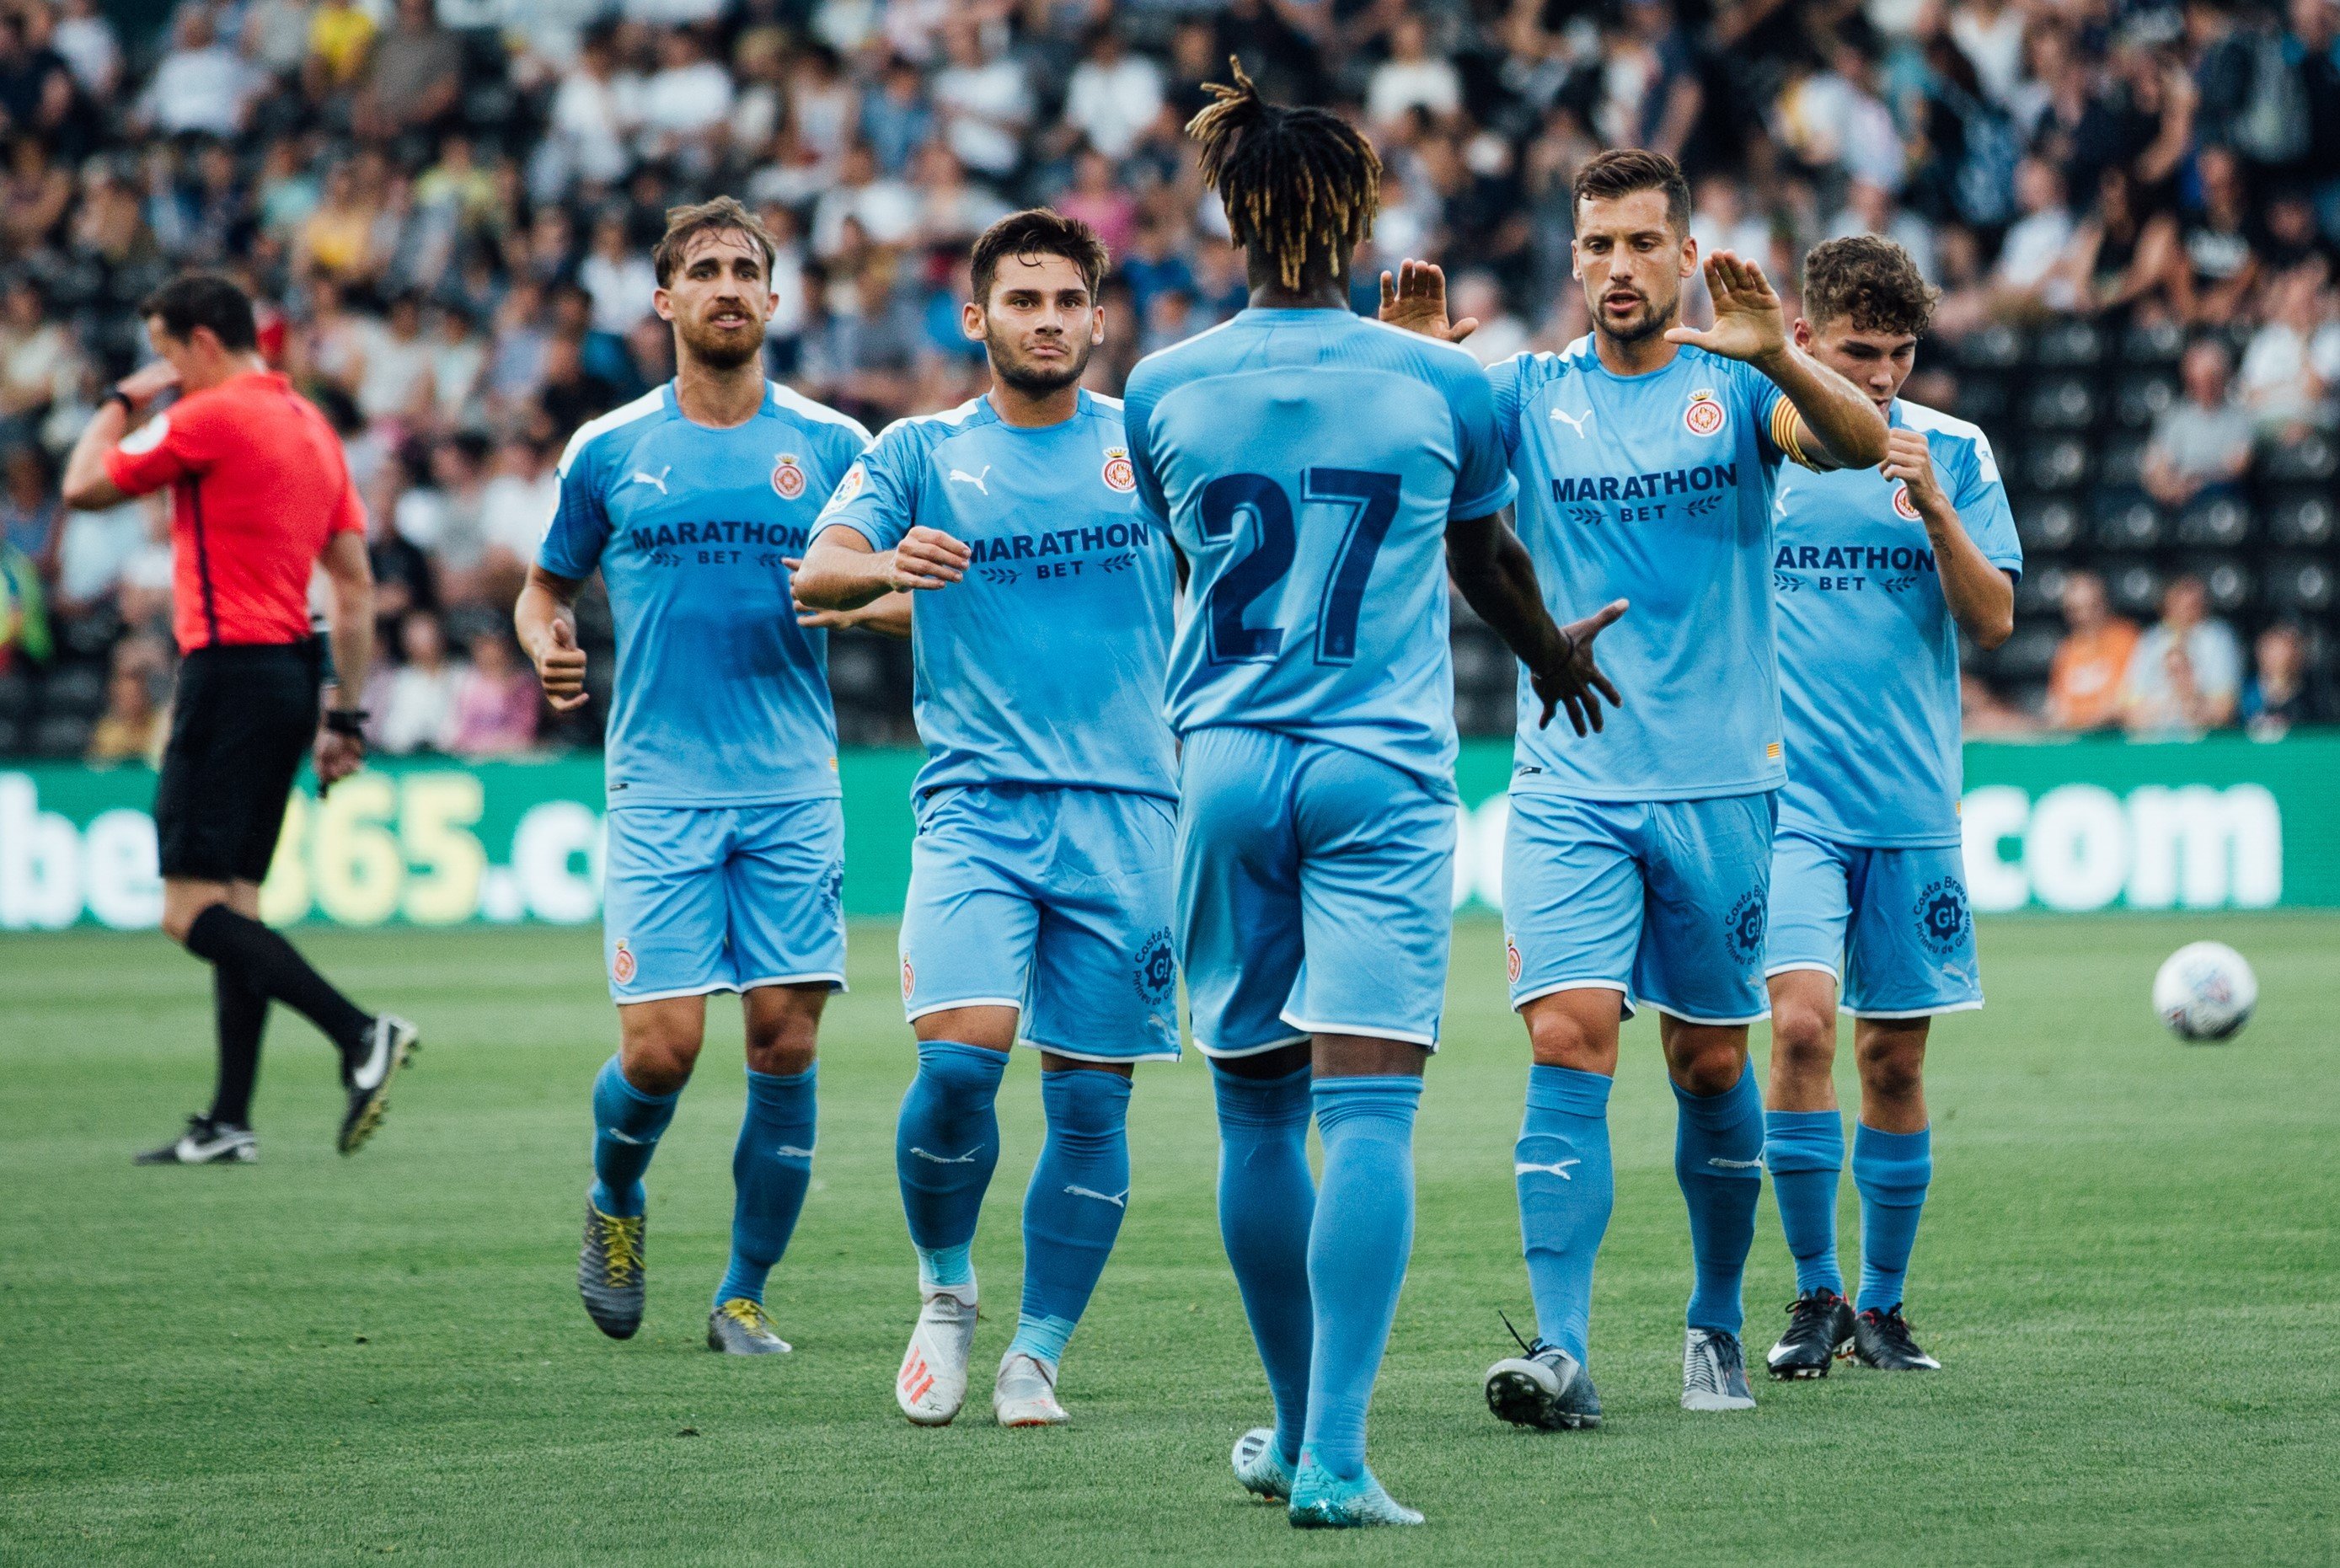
[1025, 1394]
[932, 1384]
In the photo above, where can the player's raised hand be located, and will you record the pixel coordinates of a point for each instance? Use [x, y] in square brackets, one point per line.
[1909, 458]
[1573, 680]
[929, 557]
[560, 667]
[148, 380]
[1415, 299]
[1749, 321]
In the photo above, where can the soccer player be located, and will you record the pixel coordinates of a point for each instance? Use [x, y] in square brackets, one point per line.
[1040, 884]
[260, 497]
[1876, 570]
[726, 837]
[1323, 475]
[1636, 861]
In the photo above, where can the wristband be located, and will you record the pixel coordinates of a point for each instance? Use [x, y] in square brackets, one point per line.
[115, 394]
[349, 722]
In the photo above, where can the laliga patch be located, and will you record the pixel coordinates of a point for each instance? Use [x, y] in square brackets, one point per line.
[621, 964]
[1705, 415]
[1903, 505]
[855, 480]
[788, 477]
[909, 979]
[1118, 474]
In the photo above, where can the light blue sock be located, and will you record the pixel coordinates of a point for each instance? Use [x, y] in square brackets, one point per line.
[1719, 1160]
[627, 1126]
[945, 1147]
[770, 1168]
[1805, 1150]
[1891, 1172]
[1267, 1200]
[1357, 1252]
[1073, 1209]
[1567, 1187]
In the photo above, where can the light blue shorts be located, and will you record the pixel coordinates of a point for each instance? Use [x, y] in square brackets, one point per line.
[723, 898]
[1054, 901]
[1661, 900]
[1892, 925]
[1315, 893]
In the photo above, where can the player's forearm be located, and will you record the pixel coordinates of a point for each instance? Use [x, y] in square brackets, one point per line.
[888, 617]
[1496, 577]
[1835, 411]
[85, 485]
[837, 577]
[349, 631]
[1980, 597]
[538, 609]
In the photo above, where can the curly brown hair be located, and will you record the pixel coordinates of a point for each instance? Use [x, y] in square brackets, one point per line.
[1036, 232]
[1869, 282]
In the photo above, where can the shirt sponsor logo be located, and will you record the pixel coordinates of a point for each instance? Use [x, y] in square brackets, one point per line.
[1118, 474]
[1059, 542]
[788, 477]
[1705, 415]
[1710, 476]
[674, 535]
[1852, 558]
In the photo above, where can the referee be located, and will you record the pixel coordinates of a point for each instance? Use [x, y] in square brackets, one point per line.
[260, 496]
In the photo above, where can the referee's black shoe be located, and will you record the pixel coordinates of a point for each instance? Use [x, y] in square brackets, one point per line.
[367, 1073]
[205, 1142]
[1820, 1329]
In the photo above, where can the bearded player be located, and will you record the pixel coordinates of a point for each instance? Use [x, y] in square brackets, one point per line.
[1041, 888]
[1877, 569]
[726, 835]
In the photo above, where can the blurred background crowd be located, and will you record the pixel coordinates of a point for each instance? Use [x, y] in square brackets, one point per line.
[2132, 207]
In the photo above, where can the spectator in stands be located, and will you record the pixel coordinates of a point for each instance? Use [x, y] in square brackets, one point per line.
[135, 723]
[2284, 691]
[2092, 661]
[2186, 674]
[2201, 444]
[31, 519]
[40, 364]
[1985, 715]
[1114, 94]
[413, 704]
[2038, 260]
[414, 76]
[2214, 268]
[2289, 373]
[496, 699]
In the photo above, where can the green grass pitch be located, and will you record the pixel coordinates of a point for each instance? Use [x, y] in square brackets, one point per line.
[2128, 1267]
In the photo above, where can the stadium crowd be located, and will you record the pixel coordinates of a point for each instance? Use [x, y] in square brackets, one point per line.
[2132, 208]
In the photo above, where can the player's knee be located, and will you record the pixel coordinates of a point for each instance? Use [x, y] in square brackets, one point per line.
[783, 1046]
[1803, 1039]
[1710, 1067]
[1892, 1066]
[1561, 1039]
[657, 1056]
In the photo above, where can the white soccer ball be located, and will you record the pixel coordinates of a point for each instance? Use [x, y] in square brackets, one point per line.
[2205, 991]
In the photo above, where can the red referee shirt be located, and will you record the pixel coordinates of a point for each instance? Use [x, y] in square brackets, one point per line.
[258, 485]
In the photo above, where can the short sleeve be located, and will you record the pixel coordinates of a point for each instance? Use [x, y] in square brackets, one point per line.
[1774, 416]
[348, 511]
[165, 450]
[1508, 382]
[1482, 479]
[1137, 429]
[1981, 503]
[873, 499]
[579, 526]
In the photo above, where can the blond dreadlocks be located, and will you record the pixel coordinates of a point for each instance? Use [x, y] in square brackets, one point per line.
[1296, 182]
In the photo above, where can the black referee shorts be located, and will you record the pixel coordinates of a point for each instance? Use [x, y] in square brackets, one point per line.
[243, 718]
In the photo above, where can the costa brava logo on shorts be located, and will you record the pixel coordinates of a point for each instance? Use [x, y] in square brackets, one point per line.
[1902, 504]
[1705, 415]
[1118, 476]
[621, 964]
[909, 979]
[855, 479]
[1511, 959]
[788, 476]
[1942, 919]
[1157, 969]
[1742, 928]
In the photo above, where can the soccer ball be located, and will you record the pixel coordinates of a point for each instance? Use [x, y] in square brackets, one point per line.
[2205, 991]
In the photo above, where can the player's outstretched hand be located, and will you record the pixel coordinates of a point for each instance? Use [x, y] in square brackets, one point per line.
[1909, 458]
[1575, 681]
[1749, 322]
[336, 758]
[560, 666]
[929, 557]
[1417, 299]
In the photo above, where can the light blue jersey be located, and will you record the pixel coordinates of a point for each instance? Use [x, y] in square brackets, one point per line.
[1655, 488]
[1045, 664]
[1307, 462]
[720, 698]
[1869, 653]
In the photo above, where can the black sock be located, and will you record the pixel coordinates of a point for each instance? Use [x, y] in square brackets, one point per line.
[270, 965]
[240, 1014]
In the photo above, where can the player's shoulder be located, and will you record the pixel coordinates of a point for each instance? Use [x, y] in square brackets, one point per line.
[1933, 422]
[1207, 351]
[788, 404]
[914, 435]
[1433, 359]
[601, 438]
[1530, 369]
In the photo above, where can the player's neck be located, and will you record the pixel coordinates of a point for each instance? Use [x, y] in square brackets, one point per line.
[1031, 411]
[206, 374]
[1332, 294]
[1636, 358]
[717, 396]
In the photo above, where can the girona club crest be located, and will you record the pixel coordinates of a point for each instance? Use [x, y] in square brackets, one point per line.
[788, 477]
[621, 964]
[1705, 415]
[909, 979]
[1512, 958]
[1118, 476]
[1902, 504]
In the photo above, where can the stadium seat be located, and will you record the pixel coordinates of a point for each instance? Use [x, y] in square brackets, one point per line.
[2312, 457]
[2068, 345]
[2048, 525]
[2136, 587]
[2303, 519]
[16, 696]
[2300, 585]
[2221, 521]
[2061, 463]
[2026, 655]
[2229, 584]
[2123, 463]
[2040, 590]
[2135, 523]
[61, 735]
[2064, 402]
[2154, 343]
[1982, 400]
[78, 690]
[857, 671]
[2139, 399]
[1992, 347]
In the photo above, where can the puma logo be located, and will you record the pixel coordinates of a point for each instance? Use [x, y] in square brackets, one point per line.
[657, 479]
[1575, 422]
[1122, 1202]
[790, 1152]
[960, 476]
[966, 1159]
[1557, 1168]
[1733, 1164]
